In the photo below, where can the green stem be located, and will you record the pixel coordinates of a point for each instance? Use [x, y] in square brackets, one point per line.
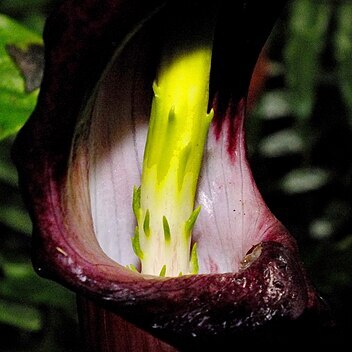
[179, 123]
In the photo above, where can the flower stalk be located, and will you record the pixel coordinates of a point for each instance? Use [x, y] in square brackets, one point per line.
[80, 154]
[178, 127]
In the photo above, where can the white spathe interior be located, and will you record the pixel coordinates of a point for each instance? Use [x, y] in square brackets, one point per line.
[233, 217]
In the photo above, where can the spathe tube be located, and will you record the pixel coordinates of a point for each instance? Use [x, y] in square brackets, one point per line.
[100, 63]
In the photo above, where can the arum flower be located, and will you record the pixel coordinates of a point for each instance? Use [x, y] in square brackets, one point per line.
[141, 195]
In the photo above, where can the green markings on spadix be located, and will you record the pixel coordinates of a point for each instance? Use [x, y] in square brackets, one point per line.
[164, 203]
[132, 268]
[136, 244]
[166, 227]
[194, 260]
[136, 201]
[146, 227]
[192, 220]
[163, 271]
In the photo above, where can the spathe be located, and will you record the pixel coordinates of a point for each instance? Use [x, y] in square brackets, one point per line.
[100, 61]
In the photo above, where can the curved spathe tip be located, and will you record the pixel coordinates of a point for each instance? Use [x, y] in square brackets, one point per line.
[271, 288]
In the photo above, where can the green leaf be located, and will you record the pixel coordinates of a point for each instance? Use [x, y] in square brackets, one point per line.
[8, 173]
[23, 6]
[304, 180]
[22, 284]
[16, 218]
[343, 53]
[321, 228]
[273, 105]
[20, 70]
[20, 316]
[309, 22]
[281, 143]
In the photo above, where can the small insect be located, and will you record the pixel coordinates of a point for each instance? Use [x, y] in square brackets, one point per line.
[30, 62]
[253, 255]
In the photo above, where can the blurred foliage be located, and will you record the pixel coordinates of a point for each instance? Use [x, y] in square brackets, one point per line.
[35, 314]
[15, 102]
[300, 138]
[300, 142]
[308, 26]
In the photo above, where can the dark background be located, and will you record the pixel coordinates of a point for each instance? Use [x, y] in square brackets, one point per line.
[300, 141]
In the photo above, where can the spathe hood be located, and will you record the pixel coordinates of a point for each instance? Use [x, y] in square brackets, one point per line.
[100, 62]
